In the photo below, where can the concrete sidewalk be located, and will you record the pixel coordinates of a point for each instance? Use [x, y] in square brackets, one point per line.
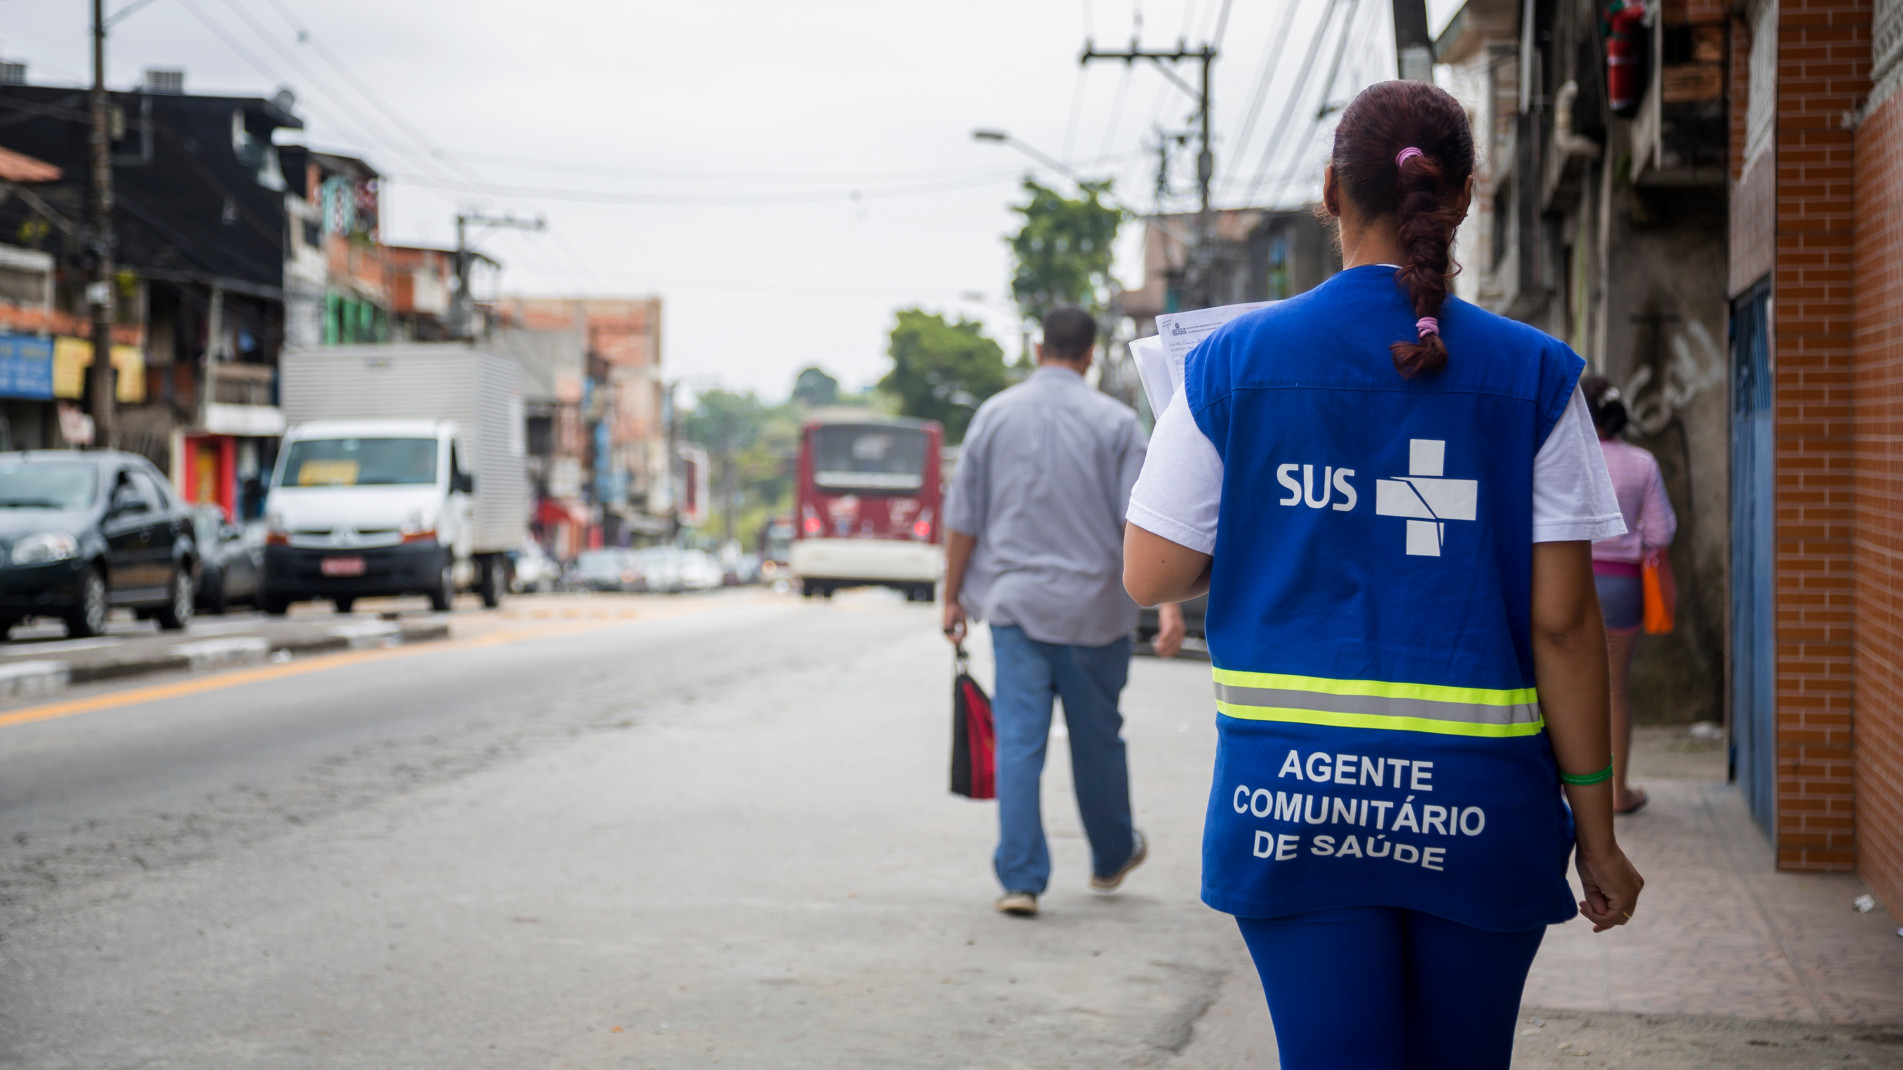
[1729, 963]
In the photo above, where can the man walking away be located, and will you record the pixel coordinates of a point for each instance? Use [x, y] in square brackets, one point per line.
[1036, 547]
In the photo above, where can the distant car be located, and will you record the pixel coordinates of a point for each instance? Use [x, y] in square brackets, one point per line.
[744, 570]
[531, 569]
[700, 571]
[81, 532]
[230, 560]
[661, 569]
[608, 569]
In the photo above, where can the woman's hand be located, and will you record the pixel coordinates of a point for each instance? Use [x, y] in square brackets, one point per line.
[1612, 886]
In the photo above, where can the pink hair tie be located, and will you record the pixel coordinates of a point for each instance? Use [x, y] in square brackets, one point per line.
[1407, 154]
[1426, 325]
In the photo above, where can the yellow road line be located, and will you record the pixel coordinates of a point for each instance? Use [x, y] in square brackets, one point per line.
[199, 685]
[263, 674]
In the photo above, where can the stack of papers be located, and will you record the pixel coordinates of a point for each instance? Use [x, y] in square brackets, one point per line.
[1160, 357]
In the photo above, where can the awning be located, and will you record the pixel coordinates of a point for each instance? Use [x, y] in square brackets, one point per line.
[72, 356]
[563, 511]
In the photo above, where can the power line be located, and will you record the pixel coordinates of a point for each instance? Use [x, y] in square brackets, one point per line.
[311, 77]
[560, 193]
[238, 48]
[1299, 167]
[1116, 111]
[1270, 150]
[1076, 111]
[1334, 66]
[364, 90]
[1271, 61]
[1222, 25]
[338, 99]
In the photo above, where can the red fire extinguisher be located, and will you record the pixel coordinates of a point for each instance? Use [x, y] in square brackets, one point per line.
[1626, 39]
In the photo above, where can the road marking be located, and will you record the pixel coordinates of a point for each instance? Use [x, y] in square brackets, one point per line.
[218, 682]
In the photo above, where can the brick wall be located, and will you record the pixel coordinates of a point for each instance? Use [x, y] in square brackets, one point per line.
[1823, 73]
[1879, 500]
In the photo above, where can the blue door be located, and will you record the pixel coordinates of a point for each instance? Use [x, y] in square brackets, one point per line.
[1753, 559]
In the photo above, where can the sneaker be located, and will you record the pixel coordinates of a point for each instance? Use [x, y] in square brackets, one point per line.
[1137, 855]
[1018, 904]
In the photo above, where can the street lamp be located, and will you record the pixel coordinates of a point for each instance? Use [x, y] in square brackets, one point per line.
[1000, 137]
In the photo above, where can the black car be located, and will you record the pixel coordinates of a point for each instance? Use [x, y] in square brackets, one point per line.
[229, 564]
[81, 532]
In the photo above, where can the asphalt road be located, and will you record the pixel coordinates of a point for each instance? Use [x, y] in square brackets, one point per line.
[714, 834]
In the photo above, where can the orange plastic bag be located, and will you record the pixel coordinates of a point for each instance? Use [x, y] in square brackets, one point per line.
[1661, 594]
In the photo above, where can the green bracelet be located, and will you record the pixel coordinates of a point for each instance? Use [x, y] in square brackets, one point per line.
[1600, 777]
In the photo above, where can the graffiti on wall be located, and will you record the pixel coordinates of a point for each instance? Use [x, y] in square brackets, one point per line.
[1690, 363]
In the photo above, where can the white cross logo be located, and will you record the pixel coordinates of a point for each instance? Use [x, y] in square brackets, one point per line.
[1424, 498]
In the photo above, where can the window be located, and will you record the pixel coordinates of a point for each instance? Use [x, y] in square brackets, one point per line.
[360, 462]
[39, 485]
[869, 457]
[152, 489]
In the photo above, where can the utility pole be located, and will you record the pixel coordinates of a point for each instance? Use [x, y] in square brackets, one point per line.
[99, 293]
[1205, 156]
[462, 311]
[1413, 45]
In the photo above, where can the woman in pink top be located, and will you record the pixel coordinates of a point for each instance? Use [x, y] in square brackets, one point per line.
[1616, 564]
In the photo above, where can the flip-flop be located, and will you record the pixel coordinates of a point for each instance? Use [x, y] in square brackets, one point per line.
[1637, 806]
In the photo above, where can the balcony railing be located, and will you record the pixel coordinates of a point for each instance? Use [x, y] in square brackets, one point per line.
[241, 384]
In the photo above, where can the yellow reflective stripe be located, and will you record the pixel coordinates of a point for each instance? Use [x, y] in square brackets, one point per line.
[1479, 696]
[1376, 720]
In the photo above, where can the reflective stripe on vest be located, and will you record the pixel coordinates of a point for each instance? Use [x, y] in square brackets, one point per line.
[1453, 711]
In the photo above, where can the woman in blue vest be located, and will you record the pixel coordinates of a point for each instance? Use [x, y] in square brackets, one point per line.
[1391, 496]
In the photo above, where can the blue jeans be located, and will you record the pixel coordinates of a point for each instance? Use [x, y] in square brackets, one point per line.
[1381, 988]
[1088, 679]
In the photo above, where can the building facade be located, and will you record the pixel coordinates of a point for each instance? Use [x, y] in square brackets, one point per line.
[1719, 237]
[625, 462]
[1817, 304]
[200, 222]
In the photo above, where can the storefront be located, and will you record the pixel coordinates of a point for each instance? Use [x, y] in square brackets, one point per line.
[27, 417]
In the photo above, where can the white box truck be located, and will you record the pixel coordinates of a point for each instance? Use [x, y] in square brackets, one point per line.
[402, 472]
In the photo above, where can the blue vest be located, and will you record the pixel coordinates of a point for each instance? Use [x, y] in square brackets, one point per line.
[1381, 741]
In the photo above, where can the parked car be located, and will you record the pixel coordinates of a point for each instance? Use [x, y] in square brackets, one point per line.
[531, 569]
[661, 569]
[230, 560]
[608, 569]
[700, 571]
[81, 532]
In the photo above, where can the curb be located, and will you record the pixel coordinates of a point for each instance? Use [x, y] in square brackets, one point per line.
[29, 679]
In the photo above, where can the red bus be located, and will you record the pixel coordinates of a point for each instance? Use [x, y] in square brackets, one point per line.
[869, 507]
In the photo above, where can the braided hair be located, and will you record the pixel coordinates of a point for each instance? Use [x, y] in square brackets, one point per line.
[1405, 149]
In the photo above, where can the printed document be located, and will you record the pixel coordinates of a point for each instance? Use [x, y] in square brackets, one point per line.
[1160, 357]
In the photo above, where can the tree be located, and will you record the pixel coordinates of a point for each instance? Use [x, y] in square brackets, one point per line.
[941, 371]
[1064, 250]
[814, 388]
[752, 446]
[726, 424]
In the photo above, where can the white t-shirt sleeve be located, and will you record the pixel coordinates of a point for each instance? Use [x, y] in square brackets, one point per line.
[1573, 498]
[1180, 491]
[1179, 494]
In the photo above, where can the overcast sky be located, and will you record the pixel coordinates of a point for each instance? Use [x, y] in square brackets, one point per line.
[784, 174]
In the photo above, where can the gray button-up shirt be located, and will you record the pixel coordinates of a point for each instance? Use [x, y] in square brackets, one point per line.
[1042, 482]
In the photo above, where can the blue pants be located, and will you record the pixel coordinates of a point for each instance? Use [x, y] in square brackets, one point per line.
[1380, 988]
[1088, 679]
